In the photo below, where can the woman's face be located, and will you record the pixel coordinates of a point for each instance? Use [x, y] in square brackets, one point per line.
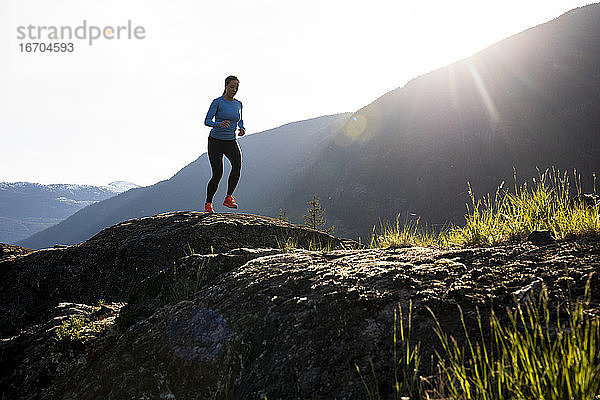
[232, 88]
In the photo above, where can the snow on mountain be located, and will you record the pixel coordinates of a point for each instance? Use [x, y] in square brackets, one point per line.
[121, 186]
[27, 208]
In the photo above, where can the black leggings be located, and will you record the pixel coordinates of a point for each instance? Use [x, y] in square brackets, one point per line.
[216, 149]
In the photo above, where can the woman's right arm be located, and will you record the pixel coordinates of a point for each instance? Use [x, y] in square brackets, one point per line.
[212, 111]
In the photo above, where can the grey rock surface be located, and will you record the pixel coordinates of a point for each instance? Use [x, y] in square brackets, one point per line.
[247, 318]
[109, 264]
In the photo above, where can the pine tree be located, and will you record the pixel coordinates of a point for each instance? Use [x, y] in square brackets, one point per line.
[282, 216]
[315, 216]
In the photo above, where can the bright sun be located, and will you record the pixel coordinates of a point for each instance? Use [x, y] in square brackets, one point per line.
[432, 33]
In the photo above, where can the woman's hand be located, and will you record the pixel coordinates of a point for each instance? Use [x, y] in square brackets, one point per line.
[224, 124]
[241, 132]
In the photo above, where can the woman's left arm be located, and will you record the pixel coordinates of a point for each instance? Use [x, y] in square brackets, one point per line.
[242, 130]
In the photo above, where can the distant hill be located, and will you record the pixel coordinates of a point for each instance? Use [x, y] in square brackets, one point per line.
[27, 208]
[529, 101]
[270, 160]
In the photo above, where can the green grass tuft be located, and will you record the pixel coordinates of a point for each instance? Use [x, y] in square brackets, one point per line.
[406, 234]
[546, 204]
[534, 353]
[529, 357]
[291, 245]
[184, 284]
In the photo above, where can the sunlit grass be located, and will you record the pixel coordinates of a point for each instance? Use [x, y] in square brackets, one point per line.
[407, 356]
[533, 353]
[546, 204]
[287, 246]
[290, 245]
[528, 357]
[407, 233]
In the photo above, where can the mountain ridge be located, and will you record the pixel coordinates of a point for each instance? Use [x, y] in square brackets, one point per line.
[528, 102]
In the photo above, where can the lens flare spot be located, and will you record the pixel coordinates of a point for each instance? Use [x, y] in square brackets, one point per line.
[360, 127]
[356, 126]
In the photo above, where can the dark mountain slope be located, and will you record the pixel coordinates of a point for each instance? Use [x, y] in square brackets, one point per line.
[529, 101]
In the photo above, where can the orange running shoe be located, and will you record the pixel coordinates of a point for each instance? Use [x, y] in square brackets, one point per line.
[208, 208]
[230, 202]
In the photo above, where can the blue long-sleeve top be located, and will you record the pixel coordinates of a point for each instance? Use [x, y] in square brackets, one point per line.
[221, 109]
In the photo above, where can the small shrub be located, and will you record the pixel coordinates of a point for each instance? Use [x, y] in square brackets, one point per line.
[315, 216]
[75, 329]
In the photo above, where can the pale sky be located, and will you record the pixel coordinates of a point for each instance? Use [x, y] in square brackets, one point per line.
[134, 109]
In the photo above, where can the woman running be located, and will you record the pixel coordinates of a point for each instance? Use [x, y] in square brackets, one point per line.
[227, 114]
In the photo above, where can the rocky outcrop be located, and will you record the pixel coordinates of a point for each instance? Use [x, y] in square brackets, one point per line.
[250, 318]
[31, 361]
[109, 264]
